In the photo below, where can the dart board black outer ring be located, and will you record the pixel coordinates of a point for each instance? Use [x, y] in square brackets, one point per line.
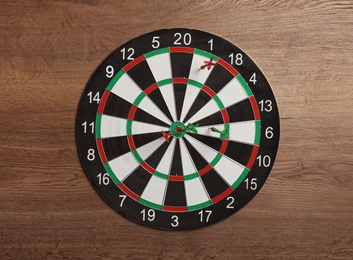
[172, 220]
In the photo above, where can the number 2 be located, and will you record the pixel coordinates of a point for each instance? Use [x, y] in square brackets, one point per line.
[230, 204]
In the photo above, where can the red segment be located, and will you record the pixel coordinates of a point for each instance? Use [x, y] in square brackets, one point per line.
[130, 140]
[132, 113]
[147, 167]
[225, 116]
[222, 195]
[254, 108]
[252, 157]
[151, 88]
[175, 208]
[133, 63]
[204, 170]
[208, 91]
[101, 151]
[175, 178]
[128, 191]
[103, 101]
[224, 146]
[228, 67]
[181, 49]
[180, 80]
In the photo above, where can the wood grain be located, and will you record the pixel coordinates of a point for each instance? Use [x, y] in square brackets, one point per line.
[49, 49]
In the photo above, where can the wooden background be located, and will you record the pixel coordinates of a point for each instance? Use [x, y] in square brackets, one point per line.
[49, 49]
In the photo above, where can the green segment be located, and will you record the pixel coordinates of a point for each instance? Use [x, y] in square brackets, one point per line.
[195, 83]
[245, 85]
[206, 54]
[191, 176]
[137, 156]
[128, 127]
[161, 175]
[164, 82]
[156, 52]
[139, 98]
[219, 102]
[241, 178]
[111, 173]
[257, 132]
[115, 79]
[216, 159]
[200, 206]
[150, 204]
[98, 126]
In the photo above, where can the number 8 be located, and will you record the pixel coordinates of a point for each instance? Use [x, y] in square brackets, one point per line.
[90, 154]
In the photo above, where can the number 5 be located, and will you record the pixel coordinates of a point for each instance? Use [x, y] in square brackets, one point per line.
[155, 42]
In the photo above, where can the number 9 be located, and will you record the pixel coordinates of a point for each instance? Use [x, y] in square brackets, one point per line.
[109, 71]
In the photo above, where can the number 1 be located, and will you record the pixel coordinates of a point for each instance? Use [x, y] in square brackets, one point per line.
[211, 44]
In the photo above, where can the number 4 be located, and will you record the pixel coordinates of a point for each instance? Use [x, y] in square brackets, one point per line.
[253, 78]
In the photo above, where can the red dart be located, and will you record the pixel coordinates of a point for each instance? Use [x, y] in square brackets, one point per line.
[166, 136]
[208, 64]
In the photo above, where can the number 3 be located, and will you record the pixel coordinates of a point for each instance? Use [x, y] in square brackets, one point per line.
[175, 222]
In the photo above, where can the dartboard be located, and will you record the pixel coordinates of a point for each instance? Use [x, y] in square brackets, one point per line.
[177, 129]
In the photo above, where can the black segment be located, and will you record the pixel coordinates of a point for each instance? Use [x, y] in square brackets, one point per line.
[142, 116]
[115, 147]
[157, 155]
[181, 63]
[157, 98]
[116, 106]
[201, 100]
[214, 119]
[218, 78]
[179, 94]
[175, 195]
[214, 184]
[214, 143]
[239, 152]
[198, 160]
[137, 180]
[142, 139]
[241, 111]
[176, 168]
[142, 75]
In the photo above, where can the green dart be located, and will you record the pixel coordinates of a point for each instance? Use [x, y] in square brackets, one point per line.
[223, 134]
[192, 128]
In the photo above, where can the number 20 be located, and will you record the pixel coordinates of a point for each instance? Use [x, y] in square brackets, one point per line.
[186, 39]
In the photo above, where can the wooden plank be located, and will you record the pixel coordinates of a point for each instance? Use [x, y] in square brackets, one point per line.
[48, 208]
